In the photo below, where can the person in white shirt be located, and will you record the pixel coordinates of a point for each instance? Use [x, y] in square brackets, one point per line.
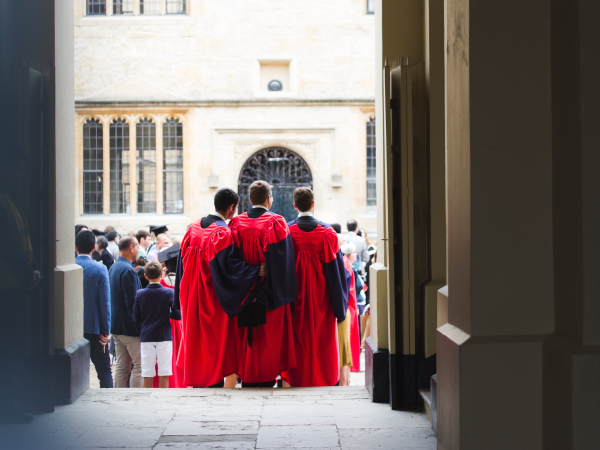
[162, 241]
[358, 241]
[145, 240]
[113, 243]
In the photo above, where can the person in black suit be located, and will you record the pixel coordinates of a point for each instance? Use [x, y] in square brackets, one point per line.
[102, 254]
[152, 313]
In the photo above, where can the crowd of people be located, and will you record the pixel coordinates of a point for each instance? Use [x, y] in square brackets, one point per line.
[246, 298]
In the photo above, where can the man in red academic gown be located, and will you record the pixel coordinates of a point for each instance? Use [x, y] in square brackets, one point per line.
[322, 297]
[213, 284]
[264, 334]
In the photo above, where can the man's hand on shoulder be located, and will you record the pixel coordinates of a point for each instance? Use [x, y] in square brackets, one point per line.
[263, 271]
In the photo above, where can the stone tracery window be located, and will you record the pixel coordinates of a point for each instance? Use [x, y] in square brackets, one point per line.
[146, 165]
[150, 7]
[93, 171]
[119, 167]
[176, 7]
[172, 167]
[122, 7]
[371, 164]
[95, 7]
[142, 175]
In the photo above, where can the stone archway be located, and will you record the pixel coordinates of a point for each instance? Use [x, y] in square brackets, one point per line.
[284, 169]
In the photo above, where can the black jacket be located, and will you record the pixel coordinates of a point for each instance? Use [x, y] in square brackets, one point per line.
[152, 313]
[124, 283]
[105, 257]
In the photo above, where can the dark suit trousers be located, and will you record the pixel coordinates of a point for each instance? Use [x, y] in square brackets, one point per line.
[101, 360]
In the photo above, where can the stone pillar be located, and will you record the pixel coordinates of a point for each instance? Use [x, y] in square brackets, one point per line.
[500, 231]
[572, 355]
[71, 350]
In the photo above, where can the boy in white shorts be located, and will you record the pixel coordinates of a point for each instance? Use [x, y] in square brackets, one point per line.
[152, 312]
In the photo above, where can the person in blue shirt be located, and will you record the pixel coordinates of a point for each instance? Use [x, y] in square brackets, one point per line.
[124, 284]
[96, 306]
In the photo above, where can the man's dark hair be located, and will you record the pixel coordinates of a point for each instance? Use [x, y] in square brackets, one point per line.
[111, 235]
[352, 225]
[85, 241]
[102, 242]
[142, 234]
[336, 227]
[153, 270]
[224, 198]
[259, 192]
[303, 198]
[125, 242]
[78, 228]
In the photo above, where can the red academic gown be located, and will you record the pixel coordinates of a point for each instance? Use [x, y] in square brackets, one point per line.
[175, 380]
[353, 317]
[322, 298]
[213, 284]
[264, 332]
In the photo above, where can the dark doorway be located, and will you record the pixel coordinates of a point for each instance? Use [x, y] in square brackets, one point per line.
[284, 169]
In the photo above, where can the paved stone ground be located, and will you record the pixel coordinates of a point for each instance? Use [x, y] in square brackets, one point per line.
[356, 378]
[319, 418]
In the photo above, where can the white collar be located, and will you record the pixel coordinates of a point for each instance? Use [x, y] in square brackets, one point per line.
[304, 214]
[352, 232]
[217, 214]
[260, 206]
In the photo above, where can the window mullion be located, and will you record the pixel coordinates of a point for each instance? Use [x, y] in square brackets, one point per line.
[106, 167]
[159, 166]
[133, 166]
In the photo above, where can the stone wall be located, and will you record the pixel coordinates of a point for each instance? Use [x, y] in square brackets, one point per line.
[207, 63]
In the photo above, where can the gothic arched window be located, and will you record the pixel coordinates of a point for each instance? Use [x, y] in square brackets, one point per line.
[371, 164]
[172, 167]
[146, 165]
[93, 175]
[119, 167]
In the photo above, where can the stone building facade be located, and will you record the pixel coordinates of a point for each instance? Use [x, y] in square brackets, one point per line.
[195, 96]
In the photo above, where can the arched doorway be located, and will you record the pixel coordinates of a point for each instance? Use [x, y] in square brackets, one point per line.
[284, 169]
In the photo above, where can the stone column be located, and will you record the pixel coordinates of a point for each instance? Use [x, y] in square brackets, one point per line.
[71, 350]
[572, 355]
[500, 231]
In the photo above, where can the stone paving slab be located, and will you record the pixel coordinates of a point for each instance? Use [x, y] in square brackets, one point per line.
[206, 419]
[193, 428]
[299, 436]
[388, 439]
